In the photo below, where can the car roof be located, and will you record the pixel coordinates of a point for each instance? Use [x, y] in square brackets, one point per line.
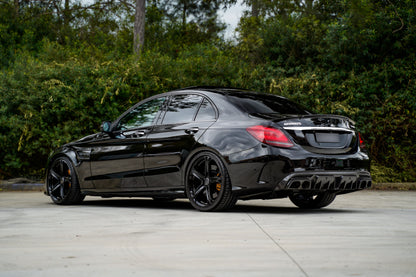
[225, 91]
[214, 89]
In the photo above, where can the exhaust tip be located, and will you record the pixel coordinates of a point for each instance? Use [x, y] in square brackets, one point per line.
[306, 185]
[295, 185]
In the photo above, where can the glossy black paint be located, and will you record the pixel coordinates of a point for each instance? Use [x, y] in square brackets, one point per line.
[152, 160]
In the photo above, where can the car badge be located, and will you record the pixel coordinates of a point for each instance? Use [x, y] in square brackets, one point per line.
[292, 123]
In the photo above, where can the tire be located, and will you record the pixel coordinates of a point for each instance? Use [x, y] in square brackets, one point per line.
[62, 183]
[309, 201]
[208, 184]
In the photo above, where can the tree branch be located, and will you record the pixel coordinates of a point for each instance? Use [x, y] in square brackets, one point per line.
[397, 14]
[127, 4]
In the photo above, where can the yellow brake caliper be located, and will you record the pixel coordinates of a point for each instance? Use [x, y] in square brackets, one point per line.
[69, 173]
[218, 186]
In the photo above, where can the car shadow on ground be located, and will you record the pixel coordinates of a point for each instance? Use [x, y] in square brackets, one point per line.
[240, 207]
[259, 209]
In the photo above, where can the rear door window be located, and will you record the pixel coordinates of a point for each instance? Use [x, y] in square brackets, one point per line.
[206, 112]
[182, 109]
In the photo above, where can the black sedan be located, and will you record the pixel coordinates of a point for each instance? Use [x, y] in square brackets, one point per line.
[214, 146]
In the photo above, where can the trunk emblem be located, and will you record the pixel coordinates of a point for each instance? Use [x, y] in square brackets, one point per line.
[292, 124]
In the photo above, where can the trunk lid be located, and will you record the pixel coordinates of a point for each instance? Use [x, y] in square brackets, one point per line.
[320, 133]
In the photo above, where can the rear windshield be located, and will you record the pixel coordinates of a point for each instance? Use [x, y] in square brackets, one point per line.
[253, 103]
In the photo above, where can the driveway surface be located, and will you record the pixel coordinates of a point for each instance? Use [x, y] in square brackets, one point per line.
[367, 233]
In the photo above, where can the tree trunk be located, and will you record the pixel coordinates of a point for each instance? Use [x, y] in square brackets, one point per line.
[184, 16]
[67, 15]
[66, 10]
[309, 7]
[255, 8]
[16, 8]
[139, 21]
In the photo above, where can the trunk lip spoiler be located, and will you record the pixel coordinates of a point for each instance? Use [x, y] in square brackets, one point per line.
[317, 128]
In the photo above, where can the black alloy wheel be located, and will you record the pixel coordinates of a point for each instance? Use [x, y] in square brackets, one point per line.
[208, 185]
[311, 201]
[63, 186]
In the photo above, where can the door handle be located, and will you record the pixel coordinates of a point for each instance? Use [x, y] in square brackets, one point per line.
[140, 133]
[134, 134]
[192, 130]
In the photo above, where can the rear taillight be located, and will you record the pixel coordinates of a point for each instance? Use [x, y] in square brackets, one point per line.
[362, 144]
[270, 136]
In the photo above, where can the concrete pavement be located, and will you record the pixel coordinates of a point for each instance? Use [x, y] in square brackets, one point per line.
[367, 233]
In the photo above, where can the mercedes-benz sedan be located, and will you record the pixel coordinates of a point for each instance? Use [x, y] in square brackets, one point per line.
[214, 146]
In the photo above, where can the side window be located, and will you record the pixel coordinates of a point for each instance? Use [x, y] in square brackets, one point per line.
[142, 116]
[182, 109]
[206, 112]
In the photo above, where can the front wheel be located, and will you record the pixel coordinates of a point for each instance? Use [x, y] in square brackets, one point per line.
[310, 201]
[208, 184]
[62, 183]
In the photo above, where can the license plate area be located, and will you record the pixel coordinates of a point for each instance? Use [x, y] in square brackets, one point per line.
[327, 138]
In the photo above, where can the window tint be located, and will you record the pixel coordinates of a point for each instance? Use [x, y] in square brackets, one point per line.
[206, 112]
[263, 103]
[181, 109]
[142, 116]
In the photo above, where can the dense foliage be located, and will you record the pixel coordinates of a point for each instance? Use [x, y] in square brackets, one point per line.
[63, 73]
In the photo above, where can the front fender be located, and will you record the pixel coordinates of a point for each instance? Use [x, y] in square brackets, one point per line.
[69, 152]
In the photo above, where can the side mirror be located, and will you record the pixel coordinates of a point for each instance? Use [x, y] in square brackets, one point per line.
[105, 127]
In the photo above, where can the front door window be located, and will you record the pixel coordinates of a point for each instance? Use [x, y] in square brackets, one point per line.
[142, 116]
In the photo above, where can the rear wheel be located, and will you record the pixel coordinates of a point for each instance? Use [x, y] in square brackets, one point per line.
[62, 182]
[208, 185]
[312, 201]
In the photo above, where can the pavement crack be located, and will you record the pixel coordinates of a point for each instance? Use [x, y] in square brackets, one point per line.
[278, 245]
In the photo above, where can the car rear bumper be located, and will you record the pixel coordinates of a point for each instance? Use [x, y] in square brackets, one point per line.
[274, 173]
